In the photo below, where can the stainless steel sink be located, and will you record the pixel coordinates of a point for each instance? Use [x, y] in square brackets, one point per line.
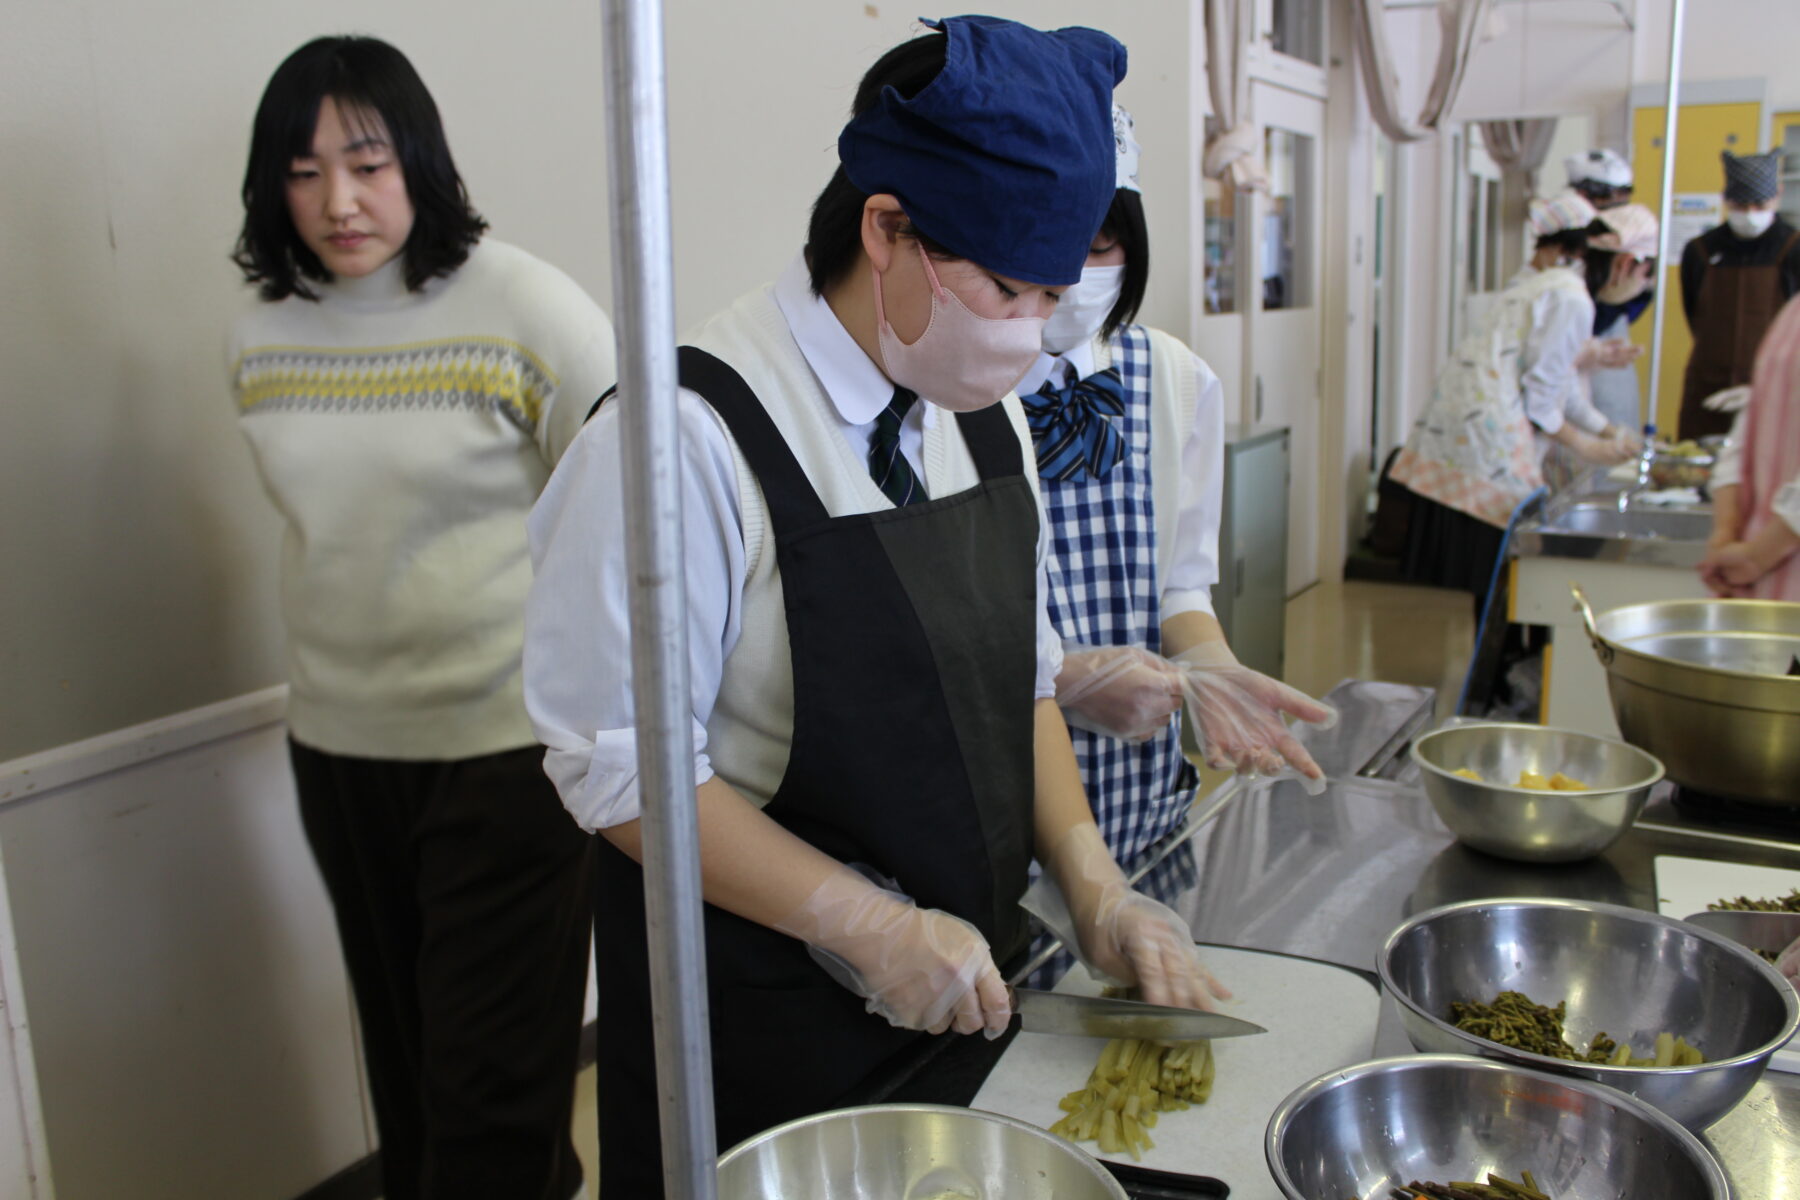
[1607, 521]
[1592, 527]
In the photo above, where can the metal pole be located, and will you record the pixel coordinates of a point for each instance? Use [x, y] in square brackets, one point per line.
[644, 307]
[1664, 310]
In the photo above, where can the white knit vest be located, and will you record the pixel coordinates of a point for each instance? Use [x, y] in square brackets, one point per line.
[752, 721]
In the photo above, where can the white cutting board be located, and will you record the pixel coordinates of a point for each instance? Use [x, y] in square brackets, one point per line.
[1320, 1017]
[1685, 886]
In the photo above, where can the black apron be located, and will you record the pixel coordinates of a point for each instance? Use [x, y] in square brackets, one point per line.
[913, 640]
[1733, 311]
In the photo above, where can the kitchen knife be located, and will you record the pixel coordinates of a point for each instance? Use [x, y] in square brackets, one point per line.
[1771, 931]
[1097, 1016]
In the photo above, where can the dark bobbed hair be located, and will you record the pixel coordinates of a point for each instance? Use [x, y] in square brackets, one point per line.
[1125, 225]
[834, 233]
[1574, 241]
[1602, 195]
[367, 78]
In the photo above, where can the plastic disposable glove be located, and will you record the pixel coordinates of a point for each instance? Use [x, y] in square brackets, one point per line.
[1238, 717]
[1789, 963]
[919, 968]
[1628, 279]
[1121, 935]
[1629, 438]
[1606, 353]
[1118, 691]
[1730, 399]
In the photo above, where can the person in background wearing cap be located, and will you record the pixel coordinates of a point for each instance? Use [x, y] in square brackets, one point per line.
[876, 739]
[1734, 279]
[1508, 391]
[1128, 427]
[1620, 269]
[1754, 550]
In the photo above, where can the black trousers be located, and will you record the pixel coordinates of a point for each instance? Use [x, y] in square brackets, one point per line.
[462, 892]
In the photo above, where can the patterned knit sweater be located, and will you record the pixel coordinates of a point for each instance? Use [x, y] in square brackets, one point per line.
[404, 436]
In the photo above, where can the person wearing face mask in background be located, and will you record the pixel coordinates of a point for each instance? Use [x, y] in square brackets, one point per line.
[1128, 428]
[878, 748]
[1509, 391]
[1734, 279]
[1620, 269]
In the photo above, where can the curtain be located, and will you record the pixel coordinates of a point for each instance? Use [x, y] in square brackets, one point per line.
[1460, 21]
[1235, 153]
[1519, 146]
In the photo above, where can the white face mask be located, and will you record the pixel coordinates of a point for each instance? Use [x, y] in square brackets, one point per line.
[1749, 224]
[1083, 308]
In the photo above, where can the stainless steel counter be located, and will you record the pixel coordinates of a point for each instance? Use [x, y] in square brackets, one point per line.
[1330, 876]
[1603, 519]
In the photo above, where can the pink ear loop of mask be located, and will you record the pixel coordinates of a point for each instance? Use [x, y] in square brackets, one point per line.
[943, 293]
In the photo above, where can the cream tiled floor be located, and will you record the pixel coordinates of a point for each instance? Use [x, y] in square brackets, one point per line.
[1335, 631]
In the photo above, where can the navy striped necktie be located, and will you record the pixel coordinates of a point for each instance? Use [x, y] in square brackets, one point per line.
[887, 466]
[1072, 429]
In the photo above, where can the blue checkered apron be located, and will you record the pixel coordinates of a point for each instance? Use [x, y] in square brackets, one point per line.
[1104, 591]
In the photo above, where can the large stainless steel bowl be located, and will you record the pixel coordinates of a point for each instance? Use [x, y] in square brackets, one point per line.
[1519, 823]
[1440, 1117]
[1629, 973]
[1701, 684]
[911, 1152]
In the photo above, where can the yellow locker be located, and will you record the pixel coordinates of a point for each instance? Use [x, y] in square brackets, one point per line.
[1702, 131]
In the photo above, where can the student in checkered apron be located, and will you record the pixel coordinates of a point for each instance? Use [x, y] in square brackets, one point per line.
[1128, 426]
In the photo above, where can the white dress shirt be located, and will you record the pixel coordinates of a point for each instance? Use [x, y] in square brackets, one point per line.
[577, 627]
[1194, 566]
[1562, 320]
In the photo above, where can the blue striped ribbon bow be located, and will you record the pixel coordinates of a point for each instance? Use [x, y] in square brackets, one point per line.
[1071, 427]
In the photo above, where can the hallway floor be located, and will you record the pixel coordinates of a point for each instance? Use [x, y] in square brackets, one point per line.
[1393, 632]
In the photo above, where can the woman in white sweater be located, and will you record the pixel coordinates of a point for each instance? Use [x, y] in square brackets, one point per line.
[406, 388]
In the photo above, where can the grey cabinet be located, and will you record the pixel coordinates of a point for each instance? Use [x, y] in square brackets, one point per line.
[1251, 595]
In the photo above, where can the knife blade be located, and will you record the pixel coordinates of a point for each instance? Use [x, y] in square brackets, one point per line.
[1771, 931]
[1068, 1015]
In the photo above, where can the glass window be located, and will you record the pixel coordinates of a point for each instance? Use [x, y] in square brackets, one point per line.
[1285, 250]
[1221, 239]
[1296, 28]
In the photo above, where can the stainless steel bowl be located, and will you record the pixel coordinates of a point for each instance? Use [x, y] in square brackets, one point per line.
[1528, 825]
[1701, 684]
[1362, 1130]
[1629, 973]
[911, 1152]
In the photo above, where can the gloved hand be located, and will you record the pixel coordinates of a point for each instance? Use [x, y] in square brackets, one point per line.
[1625, 436]
[1730, 399]
[1118, 691]
[1238, 717]
[1628, 279]
[1606, 353]
[1121, 935]
[1789, 963]
[919, 968]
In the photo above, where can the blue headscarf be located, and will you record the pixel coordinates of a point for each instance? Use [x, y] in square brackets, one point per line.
[1007, 157]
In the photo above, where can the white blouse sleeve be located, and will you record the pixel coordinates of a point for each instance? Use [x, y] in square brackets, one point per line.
[1194, 567]
[1561, 320]
[577, 618]
[1728, 465]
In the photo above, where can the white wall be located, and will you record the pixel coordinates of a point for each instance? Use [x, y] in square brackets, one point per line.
[140, 547]
[1725, 39]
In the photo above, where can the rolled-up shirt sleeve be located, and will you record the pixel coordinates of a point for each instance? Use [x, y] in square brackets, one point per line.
[1560, 320]
[577, 619]
[1194, 567]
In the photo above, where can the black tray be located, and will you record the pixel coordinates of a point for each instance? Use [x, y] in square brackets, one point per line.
[1141, 1183]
